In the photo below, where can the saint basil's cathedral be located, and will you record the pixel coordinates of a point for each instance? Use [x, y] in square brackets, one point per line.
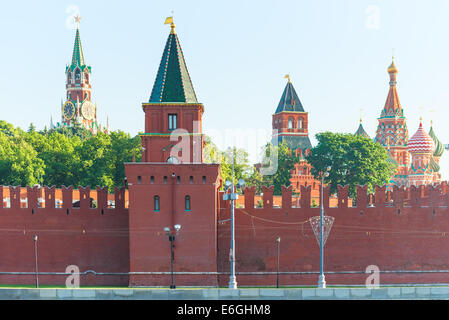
[78, 107]
[416, 159]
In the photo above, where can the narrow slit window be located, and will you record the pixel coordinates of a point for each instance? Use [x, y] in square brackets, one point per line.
[187, 203]
[157, 205]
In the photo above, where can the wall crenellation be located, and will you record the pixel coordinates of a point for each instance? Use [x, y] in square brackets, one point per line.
[39, 198]
[414, 197]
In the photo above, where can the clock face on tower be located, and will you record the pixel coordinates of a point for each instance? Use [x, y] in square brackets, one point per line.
[68, 110]
[88, 110]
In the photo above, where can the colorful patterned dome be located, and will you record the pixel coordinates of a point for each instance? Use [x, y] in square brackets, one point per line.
[439, 147]
[361, 132]
[421, 142]
[434, 165]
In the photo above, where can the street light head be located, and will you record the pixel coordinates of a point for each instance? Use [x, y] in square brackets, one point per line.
[177, 227]
[326, 174]
[228, 184]
[35, 237]
[173, 174]
[278, 239]
[241, 183]
[167, 230]
[328, 168]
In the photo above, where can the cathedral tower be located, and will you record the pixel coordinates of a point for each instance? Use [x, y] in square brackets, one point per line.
[421, 148]
[392, 132]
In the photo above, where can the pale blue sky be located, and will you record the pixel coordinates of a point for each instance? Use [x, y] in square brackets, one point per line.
[237, 52]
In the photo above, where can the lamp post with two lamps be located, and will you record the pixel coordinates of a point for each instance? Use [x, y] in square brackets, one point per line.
[232, 196]
[321, 279]
[171, 237]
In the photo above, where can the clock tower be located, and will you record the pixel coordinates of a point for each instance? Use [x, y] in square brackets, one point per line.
[78, 106]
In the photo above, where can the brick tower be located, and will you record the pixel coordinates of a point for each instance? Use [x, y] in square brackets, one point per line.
[291, 123]
[392, 132]
[171, 185]
[78, 107]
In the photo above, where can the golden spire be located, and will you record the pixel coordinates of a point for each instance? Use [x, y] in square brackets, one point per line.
[169, 20]
[287, 76]
[431, 117]
[361, 115]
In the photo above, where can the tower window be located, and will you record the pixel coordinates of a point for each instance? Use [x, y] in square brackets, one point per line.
[204, 179]
[139, 179]
[152, 179]
[172, 121]
[77, 75]
[157, 206]
[187, 203]
[290, 123]
[300, 123]
[165, 179]
[191, 179]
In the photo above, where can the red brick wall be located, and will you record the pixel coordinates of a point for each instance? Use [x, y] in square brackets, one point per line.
[414, 237]
[92, 239]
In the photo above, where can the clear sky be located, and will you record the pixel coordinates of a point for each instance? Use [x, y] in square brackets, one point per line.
[237, 53]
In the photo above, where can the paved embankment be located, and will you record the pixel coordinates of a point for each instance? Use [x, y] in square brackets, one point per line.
[229, 294]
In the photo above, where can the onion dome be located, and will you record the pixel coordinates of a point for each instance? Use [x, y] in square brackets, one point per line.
[392, 68]
[421, 142]
[361, 132]
[439, 147]
[434, 165]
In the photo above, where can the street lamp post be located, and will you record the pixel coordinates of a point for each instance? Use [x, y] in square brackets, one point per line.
[321, 279]
[171, 237]
[35, 260]
[232, 196]
[278, 240]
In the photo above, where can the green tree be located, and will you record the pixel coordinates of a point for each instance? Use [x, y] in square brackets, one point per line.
[19, 163]
[286, 160]
[353, 160]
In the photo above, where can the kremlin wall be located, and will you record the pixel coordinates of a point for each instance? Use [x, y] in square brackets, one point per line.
[119, 239]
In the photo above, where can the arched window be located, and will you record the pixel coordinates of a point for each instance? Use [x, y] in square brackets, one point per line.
[69, 78]
[157, 205]
[77, 75]
[300, 123]
[290, 123]
[187, 203]
[86, 77]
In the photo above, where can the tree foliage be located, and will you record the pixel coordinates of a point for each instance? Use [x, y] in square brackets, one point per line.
[66, 156]
[286, 160]
[353, 160]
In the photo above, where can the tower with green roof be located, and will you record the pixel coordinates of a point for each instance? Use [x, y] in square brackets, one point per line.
[78, 106]
[172, 108]
[291, 126]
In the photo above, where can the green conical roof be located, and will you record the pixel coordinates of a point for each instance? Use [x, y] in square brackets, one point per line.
[439, 147]
[78, 56]
[289, 100]
[173, 82]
